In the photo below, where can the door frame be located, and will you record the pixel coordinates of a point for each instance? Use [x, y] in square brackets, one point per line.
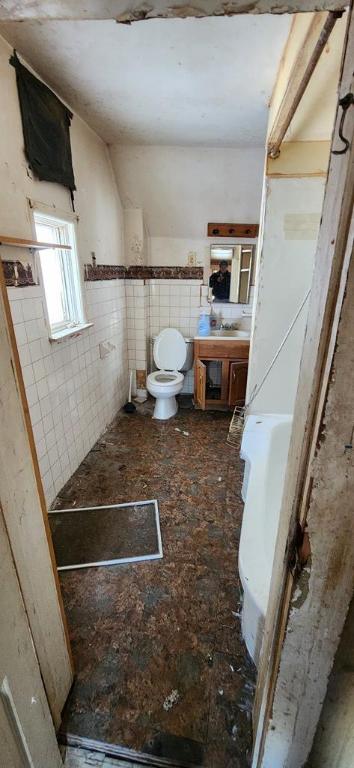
[27, 734]
[330, 282]
[26, 518]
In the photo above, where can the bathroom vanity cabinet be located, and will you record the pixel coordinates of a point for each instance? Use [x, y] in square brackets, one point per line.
[220, 372]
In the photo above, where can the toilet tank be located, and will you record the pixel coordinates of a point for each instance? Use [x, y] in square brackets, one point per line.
[189, 359]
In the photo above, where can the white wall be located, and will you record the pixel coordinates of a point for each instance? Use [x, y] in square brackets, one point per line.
[97, 203]
[181, 189]
[292, 215]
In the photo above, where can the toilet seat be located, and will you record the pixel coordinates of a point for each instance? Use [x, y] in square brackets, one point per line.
[170, 350]
[165, 378]
[170, 353]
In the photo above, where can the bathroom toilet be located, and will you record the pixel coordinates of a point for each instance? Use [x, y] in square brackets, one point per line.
[169, 354]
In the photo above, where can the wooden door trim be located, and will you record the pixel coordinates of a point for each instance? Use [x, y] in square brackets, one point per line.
[198, 368]
[35, 615]
[331, 267]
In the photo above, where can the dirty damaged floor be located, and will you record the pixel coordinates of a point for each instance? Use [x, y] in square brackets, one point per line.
[160, 664]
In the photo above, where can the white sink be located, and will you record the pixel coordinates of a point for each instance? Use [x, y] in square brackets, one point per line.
[234, 333]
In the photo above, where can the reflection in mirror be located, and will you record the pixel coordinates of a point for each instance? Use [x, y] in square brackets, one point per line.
[231, 270]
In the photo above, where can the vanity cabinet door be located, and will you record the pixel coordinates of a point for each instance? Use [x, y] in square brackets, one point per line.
[200, 384]
[238, 382]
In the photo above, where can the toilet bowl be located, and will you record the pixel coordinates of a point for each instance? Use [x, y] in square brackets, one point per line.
[166, 382]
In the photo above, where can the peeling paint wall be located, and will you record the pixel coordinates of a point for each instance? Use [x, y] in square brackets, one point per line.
[97, 203]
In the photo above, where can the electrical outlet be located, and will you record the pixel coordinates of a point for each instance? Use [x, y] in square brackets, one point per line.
[192, 259]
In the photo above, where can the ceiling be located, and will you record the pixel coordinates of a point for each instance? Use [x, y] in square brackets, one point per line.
[183, 82]
[136, 10]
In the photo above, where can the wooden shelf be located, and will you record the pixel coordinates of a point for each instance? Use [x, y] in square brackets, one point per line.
[233, 230]
[18, 242]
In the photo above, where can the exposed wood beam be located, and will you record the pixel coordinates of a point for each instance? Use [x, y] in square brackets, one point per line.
[128, 11]
[301, 73]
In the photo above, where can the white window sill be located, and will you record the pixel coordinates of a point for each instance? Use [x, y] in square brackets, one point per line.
[67, 332]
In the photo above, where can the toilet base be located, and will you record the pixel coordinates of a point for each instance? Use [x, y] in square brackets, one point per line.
[165, 408]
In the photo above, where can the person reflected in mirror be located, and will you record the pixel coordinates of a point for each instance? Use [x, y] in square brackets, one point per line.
[219, 282]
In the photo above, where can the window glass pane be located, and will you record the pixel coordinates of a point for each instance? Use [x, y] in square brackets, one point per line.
[61, 278]
[52, 275]
[53, 286]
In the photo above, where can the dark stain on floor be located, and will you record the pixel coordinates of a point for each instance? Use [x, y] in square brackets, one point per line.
[160, 663]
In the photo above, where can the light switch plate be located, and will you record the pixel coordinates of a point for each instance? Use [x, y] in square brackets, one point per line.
[192, 259]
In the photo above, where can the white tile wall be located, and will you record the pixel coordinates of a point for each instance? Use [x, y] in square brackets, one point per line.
[175, 304]
[137, 323]
[71, 392]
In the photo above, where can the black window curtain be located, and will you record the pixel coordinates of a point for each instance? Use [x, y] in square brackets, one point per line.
[45, 123]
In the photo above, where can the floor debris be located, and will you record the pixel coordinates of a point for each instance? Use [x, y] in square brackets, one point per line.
[142, 631]
[170, 700]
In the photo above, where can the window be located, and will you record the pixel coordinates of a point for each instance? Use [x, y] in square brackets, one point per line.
[60, 275]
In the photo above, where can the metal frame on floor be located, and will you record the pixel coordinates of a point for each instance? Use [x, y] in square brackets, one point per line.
[121, 560]
[122, 753]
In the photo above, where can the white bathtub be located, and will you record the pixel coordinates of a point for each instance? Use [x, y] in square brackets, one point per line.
[264, 448]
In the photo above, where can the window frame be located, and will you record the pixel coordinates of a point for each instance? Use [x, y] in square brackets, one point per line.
[73, 308]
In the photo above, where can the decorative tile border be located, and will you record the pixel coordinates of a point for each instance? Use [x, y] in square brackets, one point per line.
[165, 273]
[112, 272]
[17, 274]
[104, 272]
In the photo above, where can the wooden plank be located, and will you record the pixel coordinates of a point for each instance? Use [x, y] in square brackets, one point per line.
[18, 242]
[238, 382]
[334, 252]
[26, 518]
[218, 349]
[304, 65]
[233, 230]
[225, 372]
[200, 383]
[27, 736]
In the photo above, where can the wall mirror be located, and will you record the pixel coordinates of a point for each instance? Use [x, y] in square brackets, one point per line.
[231, 272]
